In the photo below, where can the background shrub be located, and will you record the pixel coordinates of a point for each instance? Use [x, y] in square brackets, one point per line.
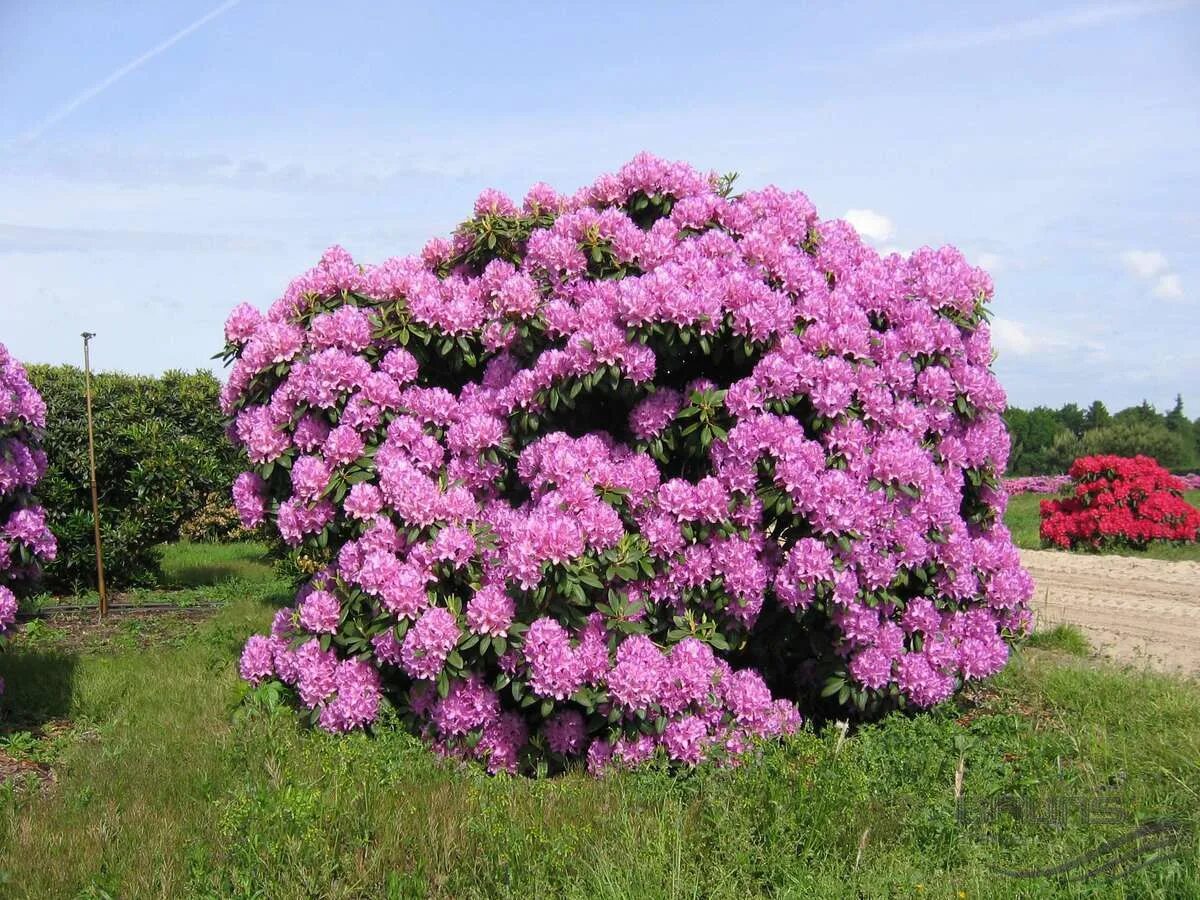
[160, 451]
[1119, 501]
[216, 522]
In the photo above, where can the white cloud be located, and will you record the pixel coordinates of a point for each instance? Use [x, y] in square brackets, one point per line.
[1169, 287]
[1010, 337]
[1151, 265]
[990, 261]
[1144, 263]
[870, 224]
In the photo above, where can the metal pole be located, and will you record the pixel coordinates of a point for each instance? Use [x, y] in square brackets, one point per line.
[87, 382]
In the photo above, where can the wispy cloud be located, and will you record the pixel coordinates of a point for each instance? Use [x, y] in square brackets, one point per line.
[1023, 339]
[100, 87]
[32, 239]
[1035, 27]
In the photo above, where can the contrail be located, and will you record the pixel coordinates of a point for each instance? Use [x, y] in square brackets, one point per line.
[66, 109]
[1043, 25]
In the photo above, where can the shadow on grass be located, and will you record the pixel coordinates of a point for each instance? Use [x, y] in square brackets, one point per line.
[38, 686]
[204, 575]
[196, 565]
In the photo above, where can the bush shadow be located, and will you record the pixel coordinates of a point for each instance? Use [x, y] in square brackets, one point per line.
[39, 687]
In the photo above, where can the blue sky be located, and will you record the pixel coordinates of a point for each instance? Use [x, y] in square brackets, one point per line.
[161, 162]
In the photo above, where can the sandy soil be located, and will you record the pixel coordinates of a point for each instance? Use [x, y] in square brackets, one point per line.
[1139, 611]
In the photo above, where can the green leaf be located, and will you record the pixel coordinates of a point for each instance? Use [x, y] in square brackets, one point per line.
[833, 684]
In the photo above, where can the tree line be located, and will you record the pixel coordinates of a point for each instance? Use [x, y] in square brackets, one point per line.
[1046, 441]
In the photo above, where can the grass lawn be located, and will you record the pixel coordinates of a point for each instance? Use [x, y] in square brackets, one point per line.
[167, 783]
[1023, 518]
[192, 575]
[201, 565]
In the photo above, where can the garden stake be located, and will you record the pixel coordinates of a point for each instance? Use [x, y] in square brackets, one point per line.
[87, 390]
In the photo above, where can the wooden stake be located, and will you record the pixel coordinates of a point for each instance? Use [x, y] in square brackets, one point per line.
[87, 382]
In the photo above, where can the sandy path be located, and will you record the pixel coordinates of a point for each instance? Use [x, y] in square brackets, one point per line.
[1140, 611]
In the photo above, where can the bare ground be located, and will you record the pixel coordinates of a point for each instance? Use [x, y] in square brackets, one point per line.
[1145, 612]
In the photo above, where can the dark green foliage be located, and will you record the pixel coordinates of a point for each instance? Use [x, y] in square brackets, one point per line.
[1046, 441]
[160, 451]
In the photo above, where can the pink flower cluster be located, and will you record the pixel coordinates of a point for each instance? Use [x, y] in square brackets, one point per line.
[1036, 484]
[645, 470]
[25, 539]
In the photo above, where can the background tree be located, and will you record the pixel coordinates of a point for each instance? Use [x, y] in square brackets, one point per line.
[1097, 415]
[1046, 441]
[1073, 419]
[160, 450]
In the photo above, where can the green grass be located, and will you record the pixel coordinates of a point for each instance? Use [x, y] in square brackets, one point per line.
[170, 783]
[1063, 638]
[1023, 518]
[193, 575]
[196, 565]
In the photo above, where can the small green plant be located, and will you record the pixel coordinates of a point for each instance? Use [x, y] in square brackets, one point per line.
[36, 631]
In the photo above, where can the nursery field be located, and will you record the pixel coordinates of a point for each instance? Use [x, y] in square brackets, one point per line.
[135, 768]
[1136, 606]
[1134, 610]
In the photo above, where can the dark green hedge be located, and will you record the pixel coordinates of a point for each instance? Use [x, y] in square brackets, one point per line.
[160, 450]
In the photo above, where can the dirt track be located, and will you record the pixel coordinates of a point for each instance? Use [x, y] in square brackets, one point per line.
[1139, 611]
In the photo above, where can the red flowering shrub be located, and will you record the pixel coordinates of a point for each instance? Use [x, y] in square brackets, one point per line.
[1120, 500]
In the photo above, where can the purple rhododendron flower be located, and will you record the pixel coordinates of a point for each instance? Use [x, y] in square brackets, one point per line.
[26, 541]
[578, 472]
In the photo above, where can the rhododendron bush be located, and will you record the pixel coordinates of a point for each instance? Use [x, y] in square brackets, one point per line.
[649, 469]
[1120, 500]
[25, 541]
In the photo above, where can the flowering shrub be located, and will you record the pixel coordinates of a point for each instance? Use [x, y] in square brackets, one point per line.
[643, 470]
[1119, 500]
[1036, 484]
[25, 541]
[1191, 482]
